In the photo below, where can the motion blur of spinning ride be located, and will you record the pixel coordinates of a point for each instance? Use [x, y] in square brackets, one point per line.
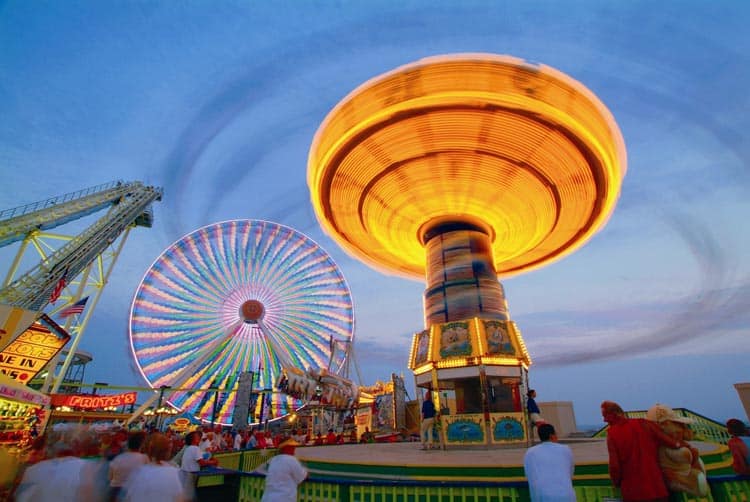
[462, 169]
[233, 297]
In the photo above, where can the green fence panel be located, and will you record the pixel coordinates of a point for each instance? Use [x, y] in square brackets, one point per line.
[315, 491]
[251, 488]
[723, 489]
[684, 497]
[252, 459]
[731, 491]
[415, 493]
[229, 460]
[595, 493]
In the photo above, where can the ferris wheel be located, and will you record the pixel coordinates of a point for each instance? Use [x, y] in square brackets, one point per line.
[233, 297]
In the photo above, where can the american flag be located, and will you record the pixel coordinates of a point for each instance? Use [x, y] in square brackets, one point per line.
[74, 309]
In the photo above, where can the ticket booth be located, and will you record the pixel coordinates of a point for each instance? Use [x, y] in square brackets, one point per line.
[477, 373]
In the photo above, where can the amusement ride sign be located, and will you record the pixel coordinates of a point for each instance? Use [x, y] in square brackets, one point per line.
[27, 355]
[13, 320]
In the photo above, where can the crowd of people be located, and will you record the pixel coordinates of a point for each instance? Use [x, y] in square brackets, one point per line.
[93, 463]
[334, 438]
[649, 458]
[73, 462]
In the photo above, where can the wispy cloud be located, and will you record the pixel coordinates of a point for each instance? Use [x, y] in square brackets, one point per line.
[717, 307]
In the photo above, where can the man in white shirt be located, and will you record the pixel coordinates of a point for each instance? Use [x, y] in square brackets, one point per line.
[192, 461]
[217, 441]
[207, 441]
[285, 472]
[65, 478]
[158, 480]
[549, 468]
[126, 463]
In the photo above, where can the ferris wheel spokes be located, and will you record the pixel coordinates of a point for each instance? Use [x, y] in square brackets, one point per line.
[285, 293]
[189, 370]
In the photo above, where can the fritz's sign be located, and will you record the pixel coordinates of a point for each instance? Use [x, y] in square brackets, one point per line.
[90, 402]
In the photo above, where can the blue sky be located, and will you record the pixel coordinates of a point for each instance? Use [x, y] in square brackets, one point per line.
[217, 102]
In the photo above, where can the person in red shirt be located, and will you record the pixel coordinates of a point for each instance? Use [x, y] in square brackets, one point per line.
[633, 445]
[331, 437]
[260, 437]
[739, 446]
[277, 438]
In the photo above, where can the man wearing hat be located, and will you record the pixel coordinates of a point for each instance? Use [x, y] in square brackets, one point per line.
[682, 467]
[285, 472]
[632, 444]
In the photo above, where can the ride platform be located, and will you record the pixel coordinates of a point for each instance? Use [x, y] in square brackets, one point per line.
[407, 461]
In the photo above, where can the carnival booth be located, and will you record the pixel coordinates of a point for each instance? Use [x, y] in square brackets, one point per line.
[21, 410]
[476, 371]
[381, 409]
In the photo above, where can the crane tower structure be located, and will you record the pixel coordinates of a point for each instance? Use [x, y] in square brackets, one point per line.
[71, 267]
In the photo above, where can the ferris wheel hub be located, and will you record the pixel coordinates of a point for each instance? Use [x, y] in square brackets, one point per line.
[252, 311]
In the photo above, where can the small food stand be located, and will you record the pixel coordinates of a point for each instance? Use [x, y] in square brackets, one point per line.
[21, 409]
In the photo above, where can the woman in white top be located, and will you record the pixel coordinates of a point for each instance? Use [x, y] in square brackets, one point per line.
[126, 463]
[159, 479]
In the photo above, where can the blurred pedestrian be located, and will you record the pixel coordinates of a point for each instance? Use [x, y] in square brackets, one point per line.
[252, 441]
[124, 464]
[260, 439]
[331, 437]
[158, 479]
[62, 478]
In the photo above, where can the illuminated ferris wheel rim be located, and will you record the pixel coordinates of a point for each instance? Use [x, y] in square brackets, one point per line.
[410, 130]
[252, 301]
[319, 303]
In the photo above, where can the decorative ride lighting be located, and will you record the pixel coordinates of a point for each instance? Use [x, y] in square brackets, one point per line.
[521, 151]
[460, 170]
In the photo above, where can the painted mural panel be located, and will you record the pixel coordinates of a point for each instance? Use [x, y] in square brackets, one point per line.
[455, 339]
[499, 340]
[508, 428]
[422, 352]
[464, 429]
